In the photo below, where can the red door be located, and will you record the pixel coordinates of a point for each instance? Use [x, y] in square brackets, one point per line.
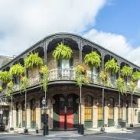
[66, 117]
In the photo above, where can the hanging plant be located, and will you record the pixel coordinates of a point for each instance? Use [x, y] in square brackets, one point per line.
[62, 51]
[121, 86]
[111, 66]
[1, 89]
[93, 59]
[33, 60]
[81, 75]
[17, 70]
[103, 76]
[10, 88]
[126, 71]
[24, 83]
[44, 77]
[136, 76]
[81, 69]
[5, 76]
[132, 86]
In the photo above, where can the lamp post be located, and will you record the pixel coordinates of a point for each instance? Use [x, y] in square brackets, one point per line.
[131, 124]
[11, 128]
[1, 111]
[45, 117]
[25, 129]
[103, 110]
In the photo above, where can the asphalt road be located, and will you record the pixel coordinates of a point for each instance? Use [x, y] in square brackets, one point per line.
[135, 135]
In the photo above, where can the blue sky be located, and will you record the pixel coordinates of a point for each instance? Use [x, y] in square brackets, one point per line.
[121, 17]
[113, 24]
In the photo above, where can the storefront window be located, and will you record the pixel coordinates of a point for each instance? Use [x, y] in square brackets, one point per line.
[88, 108]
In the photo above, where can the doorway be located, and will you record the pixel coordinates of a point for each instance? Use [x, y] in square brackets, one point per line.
[65, 111]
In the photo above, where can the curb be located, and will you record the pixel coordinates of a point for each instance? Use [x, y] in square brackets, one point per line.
[97, 133]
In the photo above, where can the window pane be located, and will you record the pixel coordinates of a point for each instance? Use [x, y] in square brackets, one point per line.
[65, 64]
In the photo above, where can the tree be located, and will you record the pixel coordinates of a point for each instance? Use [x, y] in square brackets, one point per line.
[62, 51]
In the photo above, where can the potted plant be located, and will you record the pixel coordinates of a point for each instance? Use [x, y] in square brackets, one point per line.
[62, 51]
[111, 67]
[5, 77]
[103, 77]
[1, 89]
[17, 70]
[93, 60]
[126, 72]
[33, 60]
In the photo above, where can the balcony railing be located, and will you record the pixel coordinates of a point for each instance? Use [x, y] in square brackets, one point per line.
[69, 74]
[61, 74]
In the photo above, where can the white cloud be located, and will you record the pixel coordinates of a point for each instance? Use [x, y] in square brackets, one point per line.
[115, 43]
[25, 22]
[22, 23]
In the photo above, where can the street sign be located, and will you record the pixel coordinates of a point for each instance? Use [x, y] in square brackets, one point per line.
[43, 101]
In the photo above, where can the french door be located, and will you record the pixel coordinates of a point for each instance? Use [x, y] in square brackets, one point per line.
[65, 111]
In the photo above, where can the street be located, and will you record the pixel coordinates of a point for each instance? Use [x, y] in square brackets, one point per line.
[133, 135]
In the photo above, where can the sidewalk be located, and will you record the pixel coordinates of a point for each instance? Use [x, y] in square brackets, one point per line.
[90, 131]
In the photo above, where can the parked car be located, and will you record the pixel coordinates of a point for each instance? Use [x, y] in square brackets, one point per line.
[2, 127]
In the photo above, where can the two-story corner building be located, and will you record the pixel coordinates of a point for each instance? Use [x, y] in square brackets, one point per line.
[63, 93]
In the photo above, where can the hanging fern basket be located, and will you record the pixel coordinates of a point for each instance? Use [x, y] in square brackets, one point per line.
[62, 51]
[33, 60]
[17, 70]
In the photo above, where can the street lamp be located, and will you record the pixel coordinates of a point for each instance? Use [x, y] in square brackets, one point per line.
[45, 117]
[11, 128]
[1, 111]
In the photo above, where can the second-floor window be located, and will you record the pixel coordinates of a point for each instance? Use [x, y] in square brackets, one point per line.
[65, 64]
[95, 73]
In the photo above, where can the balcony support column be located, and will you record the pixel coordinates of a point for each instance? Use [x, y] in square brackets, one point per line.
[80, 46]
[45, 46]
